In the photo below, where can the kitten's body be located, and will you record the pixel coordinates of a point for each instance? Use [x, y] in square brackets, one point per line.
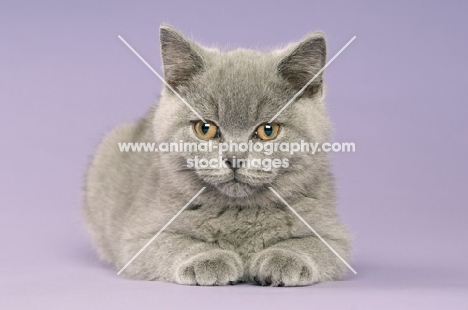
[237, 229]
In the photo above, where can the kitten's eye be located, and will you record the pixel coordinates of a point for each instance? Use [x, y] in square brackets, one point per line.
[268, 131]
[206, 130]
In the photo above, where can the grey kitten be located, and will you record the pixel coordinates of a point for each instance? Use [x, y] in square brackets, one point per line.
[237, 230]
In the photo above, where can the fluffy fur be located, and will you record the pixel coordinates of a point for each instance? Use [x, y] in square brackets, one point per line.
[237, 230]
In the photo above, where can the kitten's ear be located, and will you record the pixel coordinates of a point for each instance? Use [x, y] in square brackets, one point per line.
[181, 57]
[303, 61]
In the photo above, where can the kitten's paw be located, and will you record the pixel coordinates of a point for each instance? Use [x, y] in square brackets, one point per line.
[279, 267]
[216, 267]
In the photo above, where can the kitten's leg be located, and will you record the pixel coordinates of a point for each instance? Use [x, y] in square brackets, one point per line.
[181, 259]
[301, 261]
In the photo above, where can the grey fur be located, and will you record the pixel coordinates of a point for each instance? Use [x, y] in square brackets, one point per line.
[236, 230]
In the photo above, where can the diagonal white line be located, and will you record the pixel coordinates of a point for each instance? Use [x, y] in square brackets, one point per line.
[313, 230]
[163, 80]
[311, 80]
[159, 232]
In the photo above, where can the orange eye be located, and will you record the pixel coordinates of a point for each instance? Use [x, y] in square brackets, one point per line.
[206, 130]
[267, 131]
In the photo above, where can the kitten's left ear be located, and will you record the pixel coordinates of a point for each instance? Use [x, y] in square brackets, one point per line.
[181, 57]
[303, 61]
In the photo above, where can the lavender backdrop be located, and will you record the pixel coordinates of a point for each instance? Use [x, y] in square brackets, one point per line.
[399, 91]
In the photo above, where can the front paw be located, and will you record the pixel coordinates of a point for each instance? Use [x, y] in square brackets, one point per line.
[279, 267]
[216, 267]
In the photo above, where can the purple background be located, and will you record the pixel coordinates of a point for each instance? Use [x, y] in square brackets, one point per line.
[399, 92]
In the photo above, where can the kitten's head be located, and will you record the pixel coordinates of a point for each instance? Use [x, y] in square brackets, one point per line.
[238, 92]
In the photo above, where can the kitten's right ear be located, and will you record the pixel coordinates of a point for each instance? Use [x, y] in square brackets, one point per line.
[303, 61]
[181, 61]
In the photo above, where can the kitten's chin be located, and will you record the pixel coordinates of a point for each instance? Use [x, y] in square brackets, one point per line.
[236, 189]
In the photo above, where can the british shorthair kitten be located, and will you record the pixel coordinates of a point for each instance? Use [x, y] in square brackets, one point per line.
[237, 229]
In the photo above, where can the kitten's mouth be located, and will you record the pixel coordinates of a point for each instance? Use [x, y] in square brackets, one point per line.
[237, 189]
[238, 184]
[243, 185]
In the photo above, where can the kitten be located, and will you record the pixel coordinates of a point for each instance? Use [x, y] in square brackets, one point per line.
[236, 230]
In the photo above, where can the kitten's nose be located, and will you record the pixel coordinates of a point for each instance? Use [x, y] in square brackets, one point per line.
[229, 163]
[234, 162]
[235, 159]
